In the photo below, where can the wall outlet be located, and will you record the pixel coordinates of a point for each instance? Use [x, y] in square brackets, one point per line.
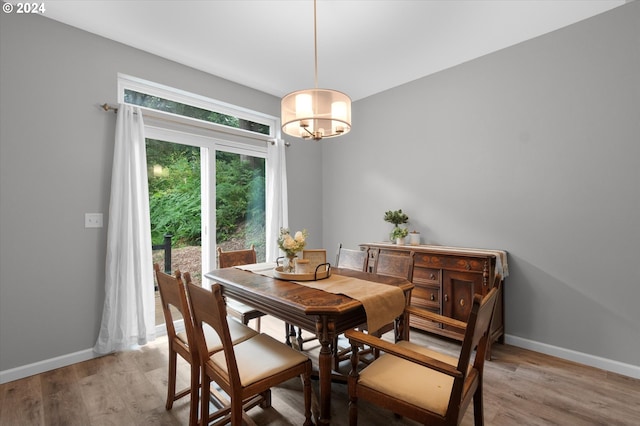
[93, 220]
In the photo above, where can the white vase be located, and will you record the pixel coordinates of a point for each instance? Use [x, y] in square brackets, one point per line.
[414, 238]
[400, 241]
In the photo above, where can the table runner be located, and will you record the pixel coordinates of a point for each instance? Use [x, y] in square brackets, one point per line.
[382, 303]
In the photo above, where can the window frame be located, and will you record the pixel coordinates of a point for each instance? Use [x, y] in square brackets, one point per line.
[127, 82]
[209, 137]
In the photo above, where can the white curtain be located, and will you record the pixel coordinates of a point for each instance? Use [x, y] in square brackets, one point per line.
[277, 204]
[128, 317]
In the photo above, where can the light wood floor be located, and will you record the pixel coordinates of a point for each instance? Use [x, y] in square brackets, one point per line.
[128, 388]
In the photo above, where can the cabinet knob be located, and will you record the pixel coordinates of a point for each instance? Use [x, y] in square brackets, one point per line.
[446, 298]
[433, 297]
[461, 302]
[432, 276]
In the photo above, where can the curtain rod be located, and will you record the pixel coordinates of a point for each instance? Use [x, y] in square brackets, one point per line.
[105, 106]
[108, 107]
[273, 142]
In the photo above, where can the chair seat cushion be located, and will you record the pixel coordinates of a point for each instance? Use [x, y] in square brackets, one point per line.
[411, 382]
[259, 357]
[239, 333]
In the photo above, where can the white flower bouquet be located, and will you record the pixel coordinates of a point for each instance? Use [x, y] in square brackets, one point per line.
[292, 244]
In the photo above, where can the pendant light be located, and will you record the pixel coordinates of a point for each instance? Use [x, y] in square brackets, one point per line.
[316, 113]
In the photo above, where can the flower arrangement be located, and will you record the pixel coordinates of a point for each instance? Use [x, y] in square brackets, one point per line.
[291, 245]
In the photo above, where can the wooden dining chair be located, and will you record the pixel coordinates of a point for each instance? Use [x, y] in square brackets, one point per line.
[355, 260]
[245, 371]
[422, 384]
[351, 259]
[389, 265]
[394, 265]
[173, 298]
[241, 311]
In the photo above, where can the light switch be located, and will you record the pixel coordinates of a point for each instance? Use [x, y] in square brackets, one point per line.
[93, 220]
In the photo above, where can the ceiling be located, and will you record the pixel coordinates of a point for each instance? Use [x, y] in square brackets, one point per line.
[364, 46]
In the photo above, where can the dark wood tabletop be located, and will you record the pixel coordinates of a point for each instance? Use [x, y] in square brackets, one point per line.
[320, 312]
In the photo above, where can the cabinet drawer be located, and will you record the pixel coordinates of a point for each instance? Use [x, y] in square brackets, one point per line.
[426, 297]
[467, 264]
[457, 263]
[427, 260]
[426, 275]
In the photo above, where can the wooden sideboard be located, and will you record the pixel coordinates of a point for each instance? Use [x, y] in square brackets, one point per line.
[445, 280]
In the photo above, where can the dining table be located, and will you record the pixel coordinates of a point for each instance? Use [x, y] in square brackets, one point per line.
[326, 312]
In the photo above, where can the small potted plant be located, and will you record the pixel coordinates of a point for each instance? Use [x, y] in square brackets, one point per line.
[397, 217]
[398, 234]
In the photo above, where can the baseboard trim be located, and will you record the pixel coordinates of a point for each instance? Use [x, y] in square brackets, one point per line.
[46, 365]
[579, 357]
[568, 354]
[23, 371]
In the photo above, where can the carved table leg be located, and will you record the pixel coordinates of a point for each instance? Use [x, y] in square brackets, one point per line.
[402, 324]
[325, 330]
[290, 332]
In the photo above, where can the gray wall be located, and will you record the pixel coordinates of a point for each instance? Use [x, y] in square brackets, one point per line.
[56, 148]
[535, 150]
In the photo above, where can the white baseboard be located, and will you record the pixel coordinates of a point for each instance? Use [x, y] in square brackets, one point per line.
[65, 360]
[579, 357]
[46, 365]
[568, 354]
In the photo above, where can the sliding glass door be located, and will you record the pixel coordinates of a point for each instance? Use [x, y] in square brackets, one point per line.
[240, 202]
[192, 192]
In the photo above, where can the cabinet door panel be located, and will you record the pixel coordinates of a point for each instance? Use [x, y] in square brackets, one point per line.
[458, 289]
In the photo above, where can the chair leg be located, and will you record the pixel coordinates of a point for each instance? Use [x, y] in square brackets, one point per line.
[245, 321]
[193, 404]
[266, 399]
[478, 409]
[352, 383]
[171, 383]
[335, 350]
[204, 398]
[376, 352]
[353, 412]
[306, 388]
[236, 411]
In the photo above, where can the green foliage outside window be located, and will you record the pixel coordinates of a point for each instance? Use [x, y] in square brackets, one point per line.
[240, 195]
[166, 105]
[174, 192]
[174, 195]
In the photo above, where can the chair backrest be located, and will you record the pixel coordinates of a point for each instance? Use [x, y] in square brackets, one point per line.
[394, 265]
[480, 337]
[476, 337]
[351, 259]
[208, 307]
[174, 294]
[227, 259]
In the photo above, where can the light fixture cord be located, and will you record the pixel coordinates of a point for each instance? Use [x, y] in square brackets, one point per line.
[315, 39]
